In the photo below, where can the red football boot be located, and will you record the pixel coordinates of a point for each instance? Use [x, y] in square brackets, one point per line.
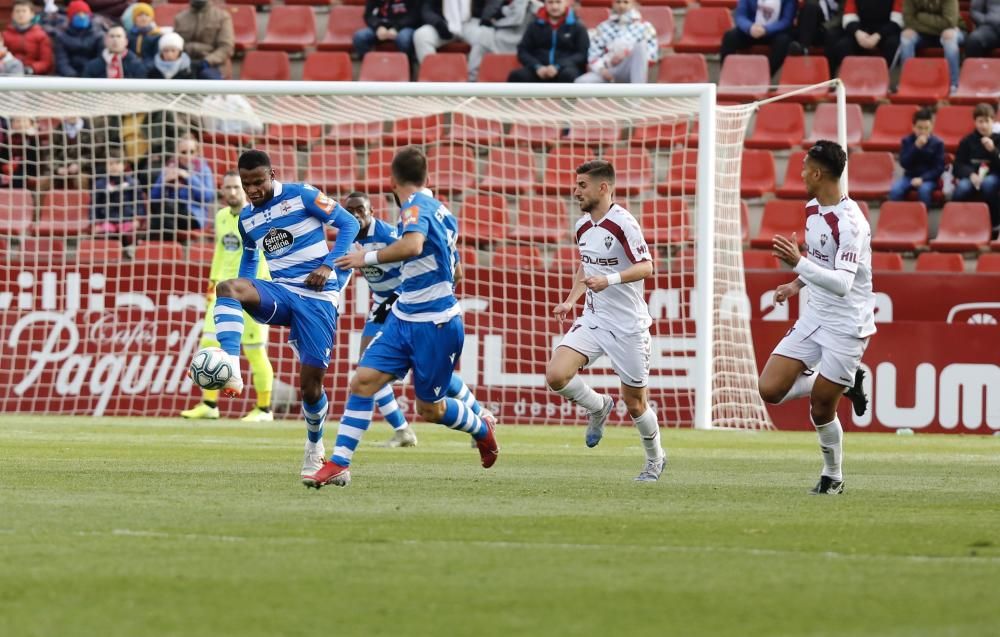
[329, 473]
[488, 447]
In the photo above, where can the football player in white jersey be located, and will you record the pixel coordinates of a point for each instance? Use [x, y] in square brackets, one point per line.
[820, 356]
[614, 261]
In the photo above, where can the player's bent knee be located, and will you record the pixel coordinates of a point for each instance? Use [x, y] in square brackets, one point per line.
[430, 412]
[771, 394]
[556, 379]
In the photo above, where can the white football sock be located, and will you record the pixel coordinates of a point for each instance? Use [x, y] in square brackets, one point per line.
[802, 386]
[577, 391]
[831, 437]
[649, 431]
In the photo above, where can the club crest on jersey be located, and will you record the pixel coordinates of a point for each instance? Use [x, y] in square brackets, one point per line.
[324, 203]
[410, 215]
[822, 240]
[607, 242]
[372, 273]
[277, 242]
[231, 242]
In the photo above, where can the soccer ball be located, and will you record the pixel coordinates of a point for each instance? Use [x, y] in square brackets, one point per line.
[210, 368]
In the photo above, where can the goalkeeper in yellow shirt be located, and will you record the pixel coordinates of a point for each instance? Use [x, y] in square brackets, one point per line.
[226, 265]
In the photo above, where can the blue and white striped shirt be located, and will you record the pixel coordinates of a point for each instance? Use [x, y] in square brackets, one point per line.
[426, 293]
[383, 278]
[289, 230]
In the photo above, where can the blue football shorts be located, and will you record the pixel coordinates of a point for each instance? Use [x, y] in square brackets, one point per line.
[431, 350]
[313, 322]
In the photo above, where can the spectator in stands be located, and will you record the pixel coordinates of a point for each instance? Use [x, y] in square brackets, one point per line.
[818, 21]
[9, 65]
[116, 204]
[182, 193]
[622, 47]
[762, 22]
[73, 149]
[109, 10]
[499, 30]
[388, 21]
[172, 63]
[208, 35]
[554, 47]
[928, 23]
[53, 17]
[439, 29]
[143, 35]
[922, 159]
[868, 26]
[977, 164]
[116, 62]
[28, 41]
[21, 154]
[79, 41]
[986, 36]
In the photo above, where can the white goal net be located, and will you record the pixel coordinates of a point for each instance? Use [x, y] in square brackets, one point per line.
[110, 190]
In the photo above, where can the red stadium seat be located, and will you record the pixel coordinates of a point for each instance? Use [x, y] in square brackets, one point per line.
[284, 160]
[902, 225]
[566, 258]
[964, 227]
[666, 221]
[781, 216]
[40, 250]
[865, 78]
[560, 168]
[468, 256]
[475, 130]
[379, 66]
[662, 19]
[542, 219]
[377, 173]
[592, 16]
[793, 187]
[244, 26]
[952, 123]
[594, 134]
[328, 66]
[825, 125]
[99, 251]
[703, 30]
[682, 175]
[940, 262]
[444, 67]
[743, 78]
[159, 252]
[979, 81]
[515, 257]
[744, 222]
[760, 260]
[483, 219]
[683, 68]
[452, 168]
[666, 134]
[297, 134]
[893, 122]
[342, 22]
[509, 170]
[779, 125]
[221, 158]
[266, 66]
[633, 170]
[415, 130]
[17, 211]
[357, 133]
[333, 169]
[988, 263]
[496, 67]
[756, 173]
[535, 135]
[800, 71]
[923, 81]
[201, 253]
[64, 213]
[164, 14]
[289, 29]
[314, 3]
[887, 262]
[869, 175]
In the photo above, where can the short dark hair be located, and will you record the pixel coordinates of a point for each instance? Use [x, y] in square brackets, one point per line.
[599, 169]
[830, 156]
[409, 166]
[923, 115]
[254, 158]
[983, 109]
[231, 173]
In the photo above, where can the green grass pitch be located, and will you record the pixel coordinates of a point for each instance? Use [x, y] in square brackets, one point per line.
[147, 527]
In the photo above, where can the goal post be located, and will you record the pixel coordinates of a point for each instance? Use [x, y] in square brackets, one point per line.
[502, 158]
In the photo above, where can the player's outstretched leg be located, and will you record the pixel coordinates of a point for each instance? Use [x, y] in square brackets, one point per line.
[453, 414]
[353, 424]
[459, 390]
[823, 414]
[562, 378]
[403, 435]
[649, 431]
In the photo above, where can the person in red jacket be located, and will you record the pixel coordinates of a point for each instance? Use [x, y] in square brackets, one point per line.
[28, 41]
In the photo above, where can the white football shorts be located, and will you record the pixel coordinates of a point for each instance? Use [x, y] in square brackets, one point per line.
[837, 355]
[628, 353]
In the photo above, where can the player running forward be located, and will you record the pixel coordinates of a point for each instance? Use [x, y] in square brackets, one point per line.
[614, 260]
[424, 331]
[226, 265]
[286, 222]
[838, 317]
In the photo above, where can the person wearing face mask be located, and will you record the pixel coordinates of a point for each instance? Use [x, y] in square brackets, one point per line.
[621, 47]
[27, 41]
[208, 34]
[78, 42]
[143, 35]
[115, 62]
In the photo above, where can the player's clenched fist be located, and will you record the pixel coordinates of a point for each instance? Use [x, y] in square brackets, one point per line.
[317, 278]
[562, 310]
[785, 291]
[596, 283]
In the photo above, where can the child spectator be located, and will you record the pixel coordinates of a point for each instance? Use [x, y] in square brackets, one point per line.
[116, 205]
[9, 65]
[79, 41]
[922, 159]
[28, 41]
[143, 34]
[20, 154]
[977, 164]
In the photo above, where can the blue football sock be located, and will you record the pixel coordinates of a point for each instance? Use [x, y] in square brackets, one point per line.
[315, 415]
[458, 416]
[353, 425]
[393, 414]
[458, 389]
[228, 315]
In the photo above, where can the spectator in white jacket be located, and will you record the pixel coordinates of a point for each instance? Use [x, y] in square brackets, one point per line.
[499, 29]
[622, 47]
